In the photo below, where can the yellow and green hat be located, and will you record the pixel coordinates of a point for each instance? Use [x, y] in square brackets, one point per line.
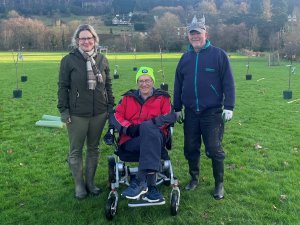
[145, 71]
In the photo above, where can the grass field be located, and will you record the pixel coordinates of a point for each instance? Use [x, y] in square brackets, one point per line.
[261, 142]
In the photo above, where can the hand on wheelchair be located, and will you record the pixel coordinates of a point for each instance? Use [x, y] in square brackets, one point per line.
[133, 130]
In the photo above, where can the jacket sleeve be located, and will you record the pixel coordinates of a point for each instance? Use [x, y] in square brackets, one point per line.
[228, 84]
[118, 119]
[167, 114]
[177, 102]
[108, 86]
[63, 87]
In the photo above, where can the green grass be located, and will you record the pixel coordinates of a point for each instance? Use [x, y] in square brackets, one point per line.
[261, 184]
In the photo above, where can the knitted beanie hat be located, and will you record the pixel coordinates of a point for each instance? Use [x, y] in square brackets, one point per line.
[145, 71]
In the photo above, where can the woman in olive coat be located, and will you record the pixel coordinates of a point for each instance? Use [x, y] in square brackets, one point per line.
[84, 100]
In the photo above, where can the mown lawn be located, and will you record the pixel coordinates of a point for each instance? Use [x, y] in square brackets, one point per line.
[261, 142]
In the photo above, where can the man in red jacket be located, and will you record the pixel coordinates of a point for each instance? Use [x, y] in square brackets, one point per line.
[142, 117]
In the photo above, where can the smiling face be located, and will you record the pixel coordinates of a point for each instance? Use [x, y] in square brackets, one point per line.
[145, 84]
[197, 39]
[86, 41]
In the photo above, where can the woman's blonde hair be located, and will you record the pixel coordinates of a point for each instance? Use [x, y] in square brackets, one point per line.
[81, 28]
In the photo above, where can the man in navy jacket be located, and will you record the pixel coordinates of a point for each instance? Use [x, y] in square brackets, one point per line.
[204, 85]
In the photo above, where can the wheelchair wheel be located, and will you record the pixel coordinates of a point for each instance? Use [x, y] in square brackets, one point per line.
[174, 203]
[110, 208]
[111, 169]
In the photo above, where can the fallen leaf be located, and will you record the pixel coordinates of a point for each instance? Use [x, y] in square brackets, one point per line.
[205, 215]
[283, 197]
[9, 151]
[258, 146]
[231, 166]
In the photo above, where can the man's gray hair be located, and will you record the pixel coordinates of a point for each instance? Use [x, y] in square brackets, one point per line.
[81, 28]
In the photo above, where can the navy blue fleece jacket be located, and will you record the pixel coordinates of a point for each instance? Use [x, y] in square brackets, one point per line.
[204, 80]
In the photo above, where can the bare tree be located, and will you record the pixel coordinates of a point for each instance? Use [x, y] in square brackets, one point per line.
[207, 7]
[254, 40]
[21, 32]
[164, 31]
[291, 43]
[230, 37]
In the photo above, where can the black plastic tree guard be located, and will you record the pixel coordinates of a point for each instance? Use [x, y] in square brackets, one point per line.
[164, 87]
[248, 76]
[17, 93]
[287, 94]
[23, 78]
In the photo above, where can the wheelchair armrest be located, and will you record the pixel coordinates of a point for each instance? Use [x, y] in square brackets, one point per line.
[109, 137]
[168, 143]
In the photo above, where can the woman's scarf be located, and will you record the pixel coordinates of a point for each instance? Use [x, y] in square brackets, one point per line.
[93, 73]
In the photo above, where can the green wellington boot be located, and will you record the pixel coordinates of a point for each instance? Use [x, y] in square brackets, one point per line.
[76, 169]
[91, 167]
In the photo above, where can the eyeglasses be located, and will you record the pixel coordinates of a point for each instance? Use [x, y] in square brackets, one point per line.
[86, 39]
[140, 82]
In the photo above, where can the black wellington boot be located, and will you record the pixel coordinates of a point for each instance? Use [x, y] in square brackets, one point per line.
[218, 172]
[194, 172]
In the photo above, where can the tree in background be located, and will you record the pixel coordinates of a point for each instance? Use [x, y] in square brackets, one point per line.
[164, 34]
[279, 14]
[160, 11]
[237, 36]
[123, 7]
[254, 40]
[291, 37]
[228, 10]
[19, 32]
[207, 7]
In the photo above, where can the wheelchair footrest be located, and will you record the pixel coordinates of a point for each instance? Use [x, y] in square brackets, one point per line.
[141, 202]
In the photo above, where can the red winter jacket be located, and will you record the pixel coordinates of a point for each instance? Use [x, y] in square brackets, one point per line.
[133, 110]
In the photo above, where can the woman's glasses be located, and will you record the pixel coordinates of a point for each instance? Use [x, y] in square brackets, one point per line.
[83, 39]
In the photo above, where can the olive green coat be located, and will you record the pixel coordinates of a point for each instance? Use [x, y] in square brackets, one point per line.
[74, 97]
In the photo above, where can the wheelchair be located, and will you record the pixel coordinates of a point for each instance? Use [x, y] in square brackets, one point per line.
[120, 173]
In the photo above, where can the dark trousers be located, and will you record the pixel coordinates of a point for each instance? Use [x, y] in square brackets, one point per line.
[207, 125]
[148, 145]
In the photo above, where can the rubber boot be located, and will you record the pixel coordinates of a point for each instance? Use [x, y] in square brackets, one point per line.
[218, 172]
[91, 167]
[194, 172]
[75, 165]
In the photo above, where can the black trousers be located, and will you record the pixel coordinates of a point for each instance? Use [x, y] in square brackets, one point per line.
[207, 126]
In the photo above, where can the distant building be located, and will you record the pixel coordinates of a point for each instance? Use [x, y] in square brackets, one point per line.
[125, 20]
